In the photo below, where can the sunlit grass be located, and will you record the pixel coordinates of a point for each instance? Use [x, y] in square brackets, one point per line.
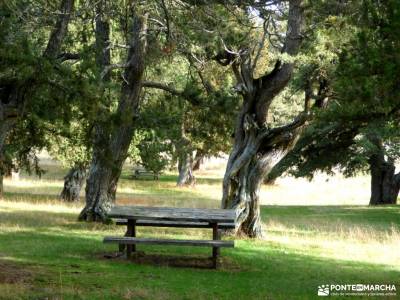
[343, 241]
[314, 234]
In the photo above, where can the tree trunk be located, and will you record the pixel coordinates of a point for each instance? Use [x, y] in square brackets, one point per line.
[100, 192]
[1, 185]
[185, 168]
[258, 148]
[249, 163]
[73, 182]
[198, 161]
[110, 150]
[385, 184]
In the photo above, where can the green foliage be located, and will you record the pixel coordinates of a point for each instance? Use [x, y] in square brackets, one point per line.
[365, 100]
[51, 108]
[154, 153]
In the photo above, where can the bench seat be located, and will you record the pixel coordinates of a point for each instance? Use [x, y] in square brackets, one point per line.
[155, 241]
[175, 224]
[144, 173]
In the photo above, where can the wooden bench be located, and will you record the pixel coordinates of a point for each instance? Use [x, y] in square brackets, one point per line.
[150, 223]
[144, 173]
[135, 240]
[133, 216]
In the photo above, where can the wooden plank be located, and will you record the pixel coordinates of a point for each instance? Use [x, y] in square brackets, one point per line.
[131, 232]
[156, 223]
[173, 214]
[215, 250]
[153, 241]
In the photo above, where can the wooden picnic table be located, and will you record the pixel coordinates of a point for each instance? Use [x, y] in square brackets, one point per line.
[134, 216]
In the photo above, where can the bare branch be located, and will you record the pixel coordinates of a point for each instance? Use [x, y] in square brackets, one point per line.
[172, 91]
[68, 56]
[112, 67]
[162, 86]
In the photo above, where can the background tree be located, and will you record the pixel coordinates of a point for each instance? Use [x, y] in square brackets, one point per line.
[196, 128]
[359, 131]
[73, 150]
[37, 88]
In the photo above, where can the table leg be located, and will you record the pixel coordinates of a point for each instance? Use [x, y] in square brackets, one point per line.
[123, 246]
[216, 236]
[131, 232]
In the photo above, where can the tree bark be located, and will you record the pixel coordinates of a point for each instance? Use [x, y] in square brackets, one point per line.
[4, 129]
[73, 182]
[248, 165]
[258, 148]
[109, 156]
[1, 185]
[385, 184]
[198, 160]
[185, 168]
[185, 159]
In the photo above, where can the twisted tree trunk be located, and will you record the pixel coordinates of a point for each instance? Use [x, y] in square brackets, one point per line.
[73, 182]
[251, 160]
[185, 168]
[385, 183]
[258, 148]
[111, 150]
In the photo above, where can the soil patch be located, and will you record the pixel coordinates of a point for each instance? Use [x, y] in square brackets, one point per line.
[14, 274]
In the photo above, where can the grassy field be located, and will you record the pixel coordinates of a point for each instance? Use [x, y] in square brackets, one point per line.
[315, 233]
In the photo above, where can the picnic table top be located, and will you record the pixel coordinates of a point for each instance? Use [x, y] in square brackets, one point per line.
[173, 214]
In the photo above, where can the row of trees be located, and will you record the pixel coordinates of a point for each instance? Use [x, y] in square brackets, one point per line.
[300, 85]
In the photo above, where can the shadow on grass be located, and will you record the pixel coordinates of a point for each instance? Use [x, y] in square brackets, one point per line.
[163, 260]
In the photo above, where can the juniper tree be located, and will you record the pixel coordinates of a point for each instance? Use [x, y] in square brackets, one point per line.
[359, 132]
[31, 73]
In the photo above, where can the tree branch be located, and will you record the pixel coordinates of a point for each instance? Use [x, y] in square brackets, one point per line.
[112, 67]
[161, 86]
[172, 91]
[60, 29]
[274, 82]
[68, 56]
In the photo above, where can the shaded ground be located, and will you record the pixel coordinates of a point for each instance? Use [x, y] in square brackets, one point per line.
[181, 261]
[11, 273]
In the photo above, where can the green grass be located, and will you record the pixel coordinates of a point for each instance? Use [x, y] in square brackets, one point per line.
[304, 246]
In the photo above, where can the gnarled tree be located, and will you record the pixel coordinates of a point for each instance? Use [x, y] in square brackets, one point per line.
[106, 166]
[257, 147]
[385, 183]
[359, 131]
